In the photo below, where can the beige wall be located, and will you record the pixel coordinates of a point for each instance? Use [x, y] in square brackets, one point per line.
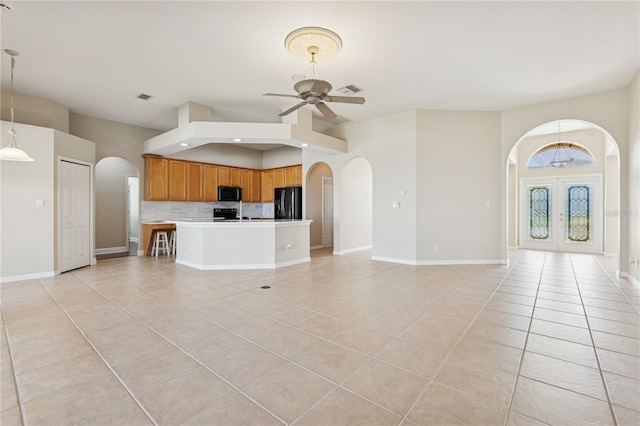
[29, 234]
[357, 196]
[458, 187]
[389, 145]
[632, 211]
[35, 111]
[313, 203]
[26, 231]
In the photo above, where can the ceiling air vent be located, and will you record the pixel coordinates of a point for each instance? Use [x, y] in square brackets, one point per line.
[350, 89]
[6, 6]
[144, 97]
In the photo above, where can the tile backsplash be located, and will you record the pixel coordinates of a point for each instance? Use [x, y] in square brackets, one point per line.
[176, 210]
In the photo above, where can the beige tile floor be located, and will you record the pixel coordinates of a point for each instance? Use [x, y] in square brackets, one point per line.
[550, 339]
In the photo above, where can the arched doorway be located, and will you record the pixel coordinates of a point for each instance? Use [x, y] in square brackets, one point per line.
[319, 205]
[563, 178]
[117, 204]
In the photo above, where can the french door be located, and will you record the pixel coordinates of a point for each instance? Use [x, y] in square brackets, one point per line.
[561, 214]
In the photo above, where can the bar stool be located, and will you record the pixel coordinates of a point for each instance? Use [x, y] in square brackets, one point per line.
[172, 242]
[160, 242]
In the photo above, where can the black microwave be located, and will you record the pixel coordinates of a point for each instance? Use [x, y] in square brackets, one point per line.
[229, 193]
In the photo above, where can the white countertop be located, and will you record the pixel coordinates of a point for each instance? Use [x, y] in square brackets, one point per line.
[239, 222]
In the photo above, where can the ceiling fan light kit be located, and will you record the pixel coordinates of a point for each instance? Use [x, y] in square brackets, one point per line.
[314, 43]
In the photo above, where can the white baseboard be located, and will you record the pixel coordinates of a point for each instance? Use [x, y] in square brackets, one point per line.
[605, 254]
[25, 277]
[352, 250]
[111, 250]
[316, 247]
[441, 262]
[134, 239]
[247, 266]
[629, 277]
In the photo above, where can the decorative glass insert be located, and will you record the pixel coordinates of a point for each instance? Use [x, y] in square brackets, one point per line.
[539, 211]
[578, 211]
[580, 156]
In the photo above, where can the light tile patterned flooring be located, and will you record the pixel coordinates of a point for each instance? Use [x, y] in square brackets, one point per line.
[551, 338]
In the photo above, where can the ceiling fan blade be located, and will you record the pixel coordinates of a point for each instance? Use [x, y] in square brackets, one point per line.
[280, 94]
[326, 111]
[345, 99]
[293, 108]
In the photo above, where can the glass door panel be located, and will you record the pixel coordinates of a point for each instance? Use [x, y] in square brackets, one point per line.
[561, 214]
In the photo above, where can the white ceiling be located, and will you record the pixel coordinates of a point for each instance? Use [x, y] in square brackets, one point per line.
[97, 56]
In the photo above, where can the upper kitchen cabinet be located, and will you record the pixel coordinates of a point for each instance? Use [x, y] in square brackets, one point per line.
[224, 175]
[177, 180]
[250, 184]
[293, 176]
[267, 186]
[194, 181]
[235, 177]
[156, 178]
[210, 182]
[256, 186]
[278, 178]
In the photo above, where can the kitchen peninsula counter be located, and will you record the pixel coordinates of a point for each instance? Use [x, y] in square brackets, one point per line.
[242, 244]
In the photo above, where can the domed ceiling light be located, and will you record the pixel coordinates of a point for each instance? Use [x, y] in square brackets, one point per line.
[11, 151]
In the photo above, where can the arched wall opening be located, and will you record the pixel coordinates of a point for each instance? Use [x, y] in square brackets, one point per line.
[319, 206]
[356, 222]
[117, 202]
[605, 175]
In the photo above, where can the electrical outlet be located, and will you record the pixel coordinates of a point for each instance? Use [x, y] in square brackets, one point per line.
[435, 249]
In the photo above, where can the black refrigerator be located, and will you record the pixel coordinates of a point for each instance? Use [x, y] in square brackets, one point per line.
[288, 203]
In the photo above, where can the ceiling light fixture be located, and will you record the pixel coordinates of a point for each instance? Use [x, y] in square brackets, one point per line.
[324, 42]
[12, 152]
[184, 144]
[237, 140]
[304, 145]
[561, 158]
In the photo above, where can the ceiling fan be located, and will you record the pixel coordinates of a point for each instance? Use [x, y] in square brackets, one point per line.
[314, 91]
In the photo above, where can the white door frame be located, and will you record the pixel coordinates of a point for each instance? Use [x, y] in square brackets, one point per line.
[557, 241]
[58, 212]
[129, 205]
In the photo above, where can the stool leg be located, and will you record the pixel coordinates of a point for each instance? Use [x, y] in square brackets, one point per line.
[172, 243]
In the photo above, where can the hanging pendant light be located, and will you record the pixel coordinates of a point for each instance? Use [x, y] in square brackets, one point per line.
[561, 158]
[11, 150]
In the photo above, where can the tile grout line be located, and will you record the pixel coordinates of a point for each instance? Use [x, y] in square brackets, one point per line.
[593, 344]
[181, 350]
[455, 346]
[104, 361]
[615, 283]
[526, 341]
[13, 369]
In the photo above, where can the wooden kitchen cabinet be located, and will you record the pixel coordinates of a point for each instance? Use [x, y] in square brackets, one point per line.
[245, 184]
[278, 178]
[156, 178]
[210, 182]
[293, 176]
[224, 176]
[194, 181]
[256, 187]
[267, 186]
[177, 180]
[235, 177]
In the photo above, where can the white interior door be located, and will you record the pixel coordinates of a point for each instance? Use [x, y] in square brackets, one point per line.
[327, 212]
[74, 186]
[562, 214]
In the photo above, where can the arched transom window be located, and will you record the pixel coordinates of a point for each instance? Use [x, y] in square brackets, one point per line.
[559, 155]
